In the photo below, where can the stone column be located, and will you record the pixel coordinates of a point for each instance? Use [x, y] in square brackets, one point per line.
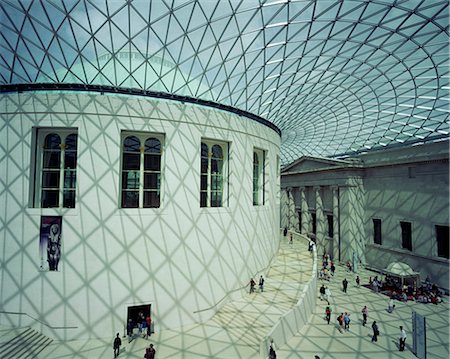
[335, 246]
[306, 219]
[295, 205]
[352, 244]
[320, 222]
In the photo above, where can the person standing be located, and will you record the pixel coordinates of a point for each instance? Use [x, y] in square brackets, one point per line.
[344, 285]
[116, 345]
[402, 338]
[149, 326]
[391, 305]
[285, 232]
[150, 352]
[347, 321]
[365, 312]
[328, 313]
[290, 239]
[376, 332]
[261, 284]
[358, 281]
[332, 268]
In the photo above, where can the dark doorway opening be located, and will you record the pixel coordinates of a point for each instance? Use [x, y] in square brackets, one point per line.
[133, 313]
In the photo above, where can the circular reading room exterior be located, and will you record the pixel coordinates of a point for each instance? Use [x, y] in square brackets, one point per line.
[125, 202]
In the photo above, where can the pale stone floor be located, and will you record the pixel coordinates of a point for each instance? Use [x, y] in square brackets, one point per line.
[235, 331]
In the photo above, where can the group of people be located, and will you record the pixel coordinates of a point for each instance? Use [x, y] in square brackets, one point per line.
[252, 284]
[144, 324]
[328, 267]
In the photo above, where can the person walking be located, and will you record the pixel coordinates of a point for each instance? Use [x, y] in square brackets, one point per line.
[358, 281]
[402, 339]
[376, 332]
[347, 321]
[327, 294]
[149, 326]
[261, 284]
[332, 268]
[116, 345]
[252, 285]
[290, 239]
[272, 352]
[344, 285]
[322, 292]
[340, 320]
[328, 314]
[365, 313]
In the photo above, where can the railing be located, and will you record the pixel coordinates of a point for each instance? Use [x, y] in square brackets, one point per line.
[293, 321]
[37, 320]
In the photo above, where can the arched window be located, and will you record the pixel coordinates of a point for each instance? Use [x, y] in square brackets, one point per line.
[141, 171]
[212, 173]
[259, 158]
[57, 181]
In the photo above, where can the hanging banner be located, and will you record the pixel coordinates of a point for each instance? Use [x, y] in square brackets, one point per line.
[50, 243]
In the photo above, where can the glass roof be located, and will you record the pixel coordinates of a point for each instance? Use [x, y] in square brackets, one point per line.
[336, 77]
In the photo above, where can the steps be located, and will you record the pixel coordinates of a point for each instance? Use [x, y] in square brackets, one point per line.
[21, 343]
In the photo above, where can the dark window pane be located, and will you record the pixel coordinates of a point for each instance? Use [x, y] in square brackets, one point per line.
[216, 166]
[151, 180]
[52, 142]
[442, 238]
[130, 199]
[314, 222]
[217, 152]
[377, 231]
[71, 142]
[330, 225]
[50, 179]
[69, 199]
[203, 198]
[151, 199]
[51, 159]
[216, 199]
[130, 180]
[204, 150]
[50, 198]
[131, 161]
[152, 145]
[406, 235]
[204, 165]
[203, 182]
[132, 144]
[152, 162]
[70, 160]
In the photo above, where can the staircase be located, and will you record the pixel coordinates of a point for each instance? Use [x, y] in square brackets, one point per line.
[22, 343]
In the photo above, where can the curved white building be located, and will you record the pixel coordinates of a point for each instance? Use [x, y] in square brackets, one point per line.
[160, 203]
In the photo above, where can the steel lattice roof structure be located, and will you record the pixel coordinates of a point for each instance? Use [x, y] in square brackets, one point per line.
[336, 77]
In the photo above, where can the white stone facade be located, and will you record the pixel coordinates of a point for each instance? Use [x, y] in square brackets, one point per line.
[409, 185]
[180, 258]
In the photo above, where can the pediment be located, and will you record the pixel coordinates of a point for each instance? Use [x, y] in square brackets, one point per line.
[311, 163]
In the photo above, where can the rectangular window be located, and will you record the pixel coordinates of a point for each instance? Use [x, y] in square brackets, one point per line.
[314, 222]
[259, 160]
[299, 221]
[330, 225]
[213, 173]
[406, 235]
[55, 168]
[376, 231]
[141, 170]
[442, 239]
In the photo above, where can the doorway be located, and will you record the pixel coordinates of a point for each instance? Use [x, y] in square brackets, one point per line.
[133, 313]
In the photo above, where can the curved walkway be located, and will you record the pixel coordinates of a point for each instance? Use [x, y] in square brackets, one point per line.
[238, 328]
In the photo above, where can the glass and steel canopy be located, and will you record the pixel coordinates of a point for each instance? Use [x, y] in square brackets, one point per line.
[336, 77]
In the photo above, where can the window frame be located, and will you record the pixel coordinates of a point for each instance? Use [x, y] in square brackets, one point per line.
[377, 235]
[439, 245]
[208, 177]
[141, 189]
[406, 239]
[40, 135]
[259, 183]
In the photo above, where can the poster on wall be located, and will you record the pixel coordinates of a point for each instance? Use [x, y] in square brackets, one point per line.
[50, 243]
